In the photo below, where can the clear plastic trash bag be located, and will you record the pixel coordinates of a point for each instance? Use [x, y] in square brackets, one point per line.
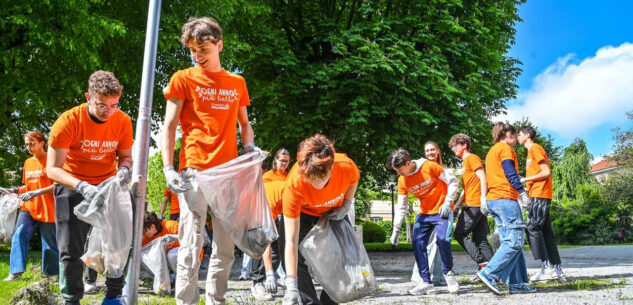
[235, 194]
[110, 239]
[339, 260]
[9, 209]
[154, 259]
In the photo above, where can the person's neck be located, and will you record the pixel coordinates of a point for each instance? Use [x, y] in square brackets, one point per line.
[214, 68]
[528, 144]
[93, 117]
[465, 154]
[39, 154]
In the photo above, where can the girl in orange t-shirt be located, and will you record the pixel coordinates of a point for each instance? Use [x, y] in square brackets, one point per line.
[280, 167]
[321, 184]
[504, 187]
[38, 209]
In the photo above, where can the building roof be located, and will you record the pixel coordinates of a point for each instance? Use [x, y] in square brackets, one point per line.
[602, 165]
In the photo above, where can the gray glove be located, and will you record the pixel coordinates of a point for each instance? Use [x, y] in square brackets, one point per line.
[175, 182]
[525, 201]
[339, 213]
[291, 297]
[123, 175]
[484, 205]
[394, 237]
[87, 190]
[249, 147]
[445, 210]
[522, 180]
[30, 195]
[11, 190]
[271, 282]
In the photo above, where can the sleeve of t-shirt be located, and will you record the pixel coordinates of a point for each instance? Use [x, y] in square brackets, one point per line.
[245, 99]
[176, 88]
[435, 169]
[127, 136]
[291, 201]
[474, 163]
[538, 155]
[62, 133]
[166, 192]
[402, 189]
[171, 227]
[355, 173]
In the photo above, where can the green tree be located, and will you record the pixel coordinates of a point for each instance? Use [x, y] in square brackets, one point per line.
[156, 182]
[623, 144]
[573, 169]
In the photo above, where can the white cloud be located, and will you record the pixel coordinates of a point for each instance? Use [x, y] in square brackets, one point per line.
[570, 99]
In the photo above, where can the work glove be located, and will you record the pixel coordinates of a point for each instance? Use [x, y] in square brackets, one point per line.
[339, 213]
[394, 236]
[123, 175]
[11, 190]
[445, 209]
[271, 283]
[484, 205]
[250, 147]
[175, 182]
[525, 201]
[522, 180]
[88, 191]
[29, 195]
[291, 297]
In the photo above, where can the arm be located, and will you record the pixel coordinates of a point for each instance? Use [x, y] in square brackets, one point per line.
[268, 259]
[351, 190]
[292, 244]
[481, 174]
[125, 158]
[512, 175]
[54, 168]
[172, 115]
[542, 175]
[163, 205]
[246, 131]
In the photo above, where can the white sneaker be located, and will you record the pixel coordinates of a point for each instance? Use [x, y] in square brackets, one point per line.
[13, 277]
[422, 288]
[451, 282]
[259, 292]
[546, 274]
[90, 288]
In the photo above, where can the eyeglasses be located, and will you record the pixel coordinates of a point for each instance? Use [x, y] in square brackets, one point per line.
[28, 145]
[104, 107]
[283, 161]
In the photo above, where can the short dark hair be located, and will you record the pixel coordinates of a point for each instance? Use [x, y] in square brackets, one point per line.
[152, 219]
[500, 129]
[398, 158]
[528, 130]
[200, 30]
[104, 83]
[460, 138]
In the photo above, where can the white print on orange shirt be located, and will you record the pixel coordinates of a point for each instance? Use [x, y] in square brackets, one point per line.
[35, 173]
[422, 188]
[213, 94]
[220, 106]
[330, 203]
[98, 149]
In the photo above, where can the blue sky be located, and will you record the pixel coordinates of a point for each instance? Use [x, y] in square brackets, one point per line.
[577, 78]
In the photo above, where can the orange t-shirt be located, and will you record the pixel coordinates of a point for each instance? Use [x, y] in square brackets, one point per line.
[498, 185]
[299, 196]
[92, 147]
[470, 181]
[273, 175]
[42, 207]
[209, 115]
[169, 227]
[542, 188]
[174, 206]
[274, 191]
[426, 185]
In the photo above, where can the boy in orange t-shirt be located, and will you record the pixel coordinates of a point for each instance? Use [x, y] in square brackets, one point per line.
[174, 205]
[38, 210]
[85, 144]
[473, 218]
[538, 179]
[209, 103]
[436, 189]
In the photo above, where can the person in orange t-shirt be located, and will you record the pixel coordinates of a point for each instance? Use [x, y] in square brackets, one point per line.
[281, 163]
[174, 206]
[472, 219]
[209, 103]
[88, 144]
[38, 210]
[436, 189]
[321, 184]
[504, 188]
[538, 178]
[153, 228]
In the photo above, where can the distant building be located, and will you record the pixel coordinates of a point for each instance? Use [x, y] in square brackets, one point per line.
[380, 210]
[603, 169]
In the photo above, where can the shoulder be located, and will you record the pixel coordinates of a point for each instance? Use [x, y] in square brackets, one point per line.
[233, 76]
[343, 160]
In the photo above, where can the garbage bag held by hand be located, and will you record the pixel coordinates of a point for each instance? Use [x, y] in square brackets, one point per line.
[235, 193]
[339, 260]
[154, 258]
[9, 209]
[111, 235]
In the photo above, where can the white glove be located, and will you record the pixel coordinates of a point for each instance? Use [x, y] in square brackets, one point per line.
[88, 191]
[249, 147]
[484, 205]
[123, 175]
[271, 282]
[292, 297]
[175, 182]
[522, 180]
[445, 209]
[11, 190]
[525, 201]
[30, 195]
[394, 237]
[339, 213]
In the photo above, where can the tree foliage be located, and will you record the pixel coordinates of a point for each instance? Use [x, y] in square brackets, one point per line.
[623, 144]
[573, 169]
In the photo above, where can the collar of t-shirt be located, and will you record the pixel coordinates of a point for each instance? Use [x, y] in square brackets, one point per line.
[94, 118]
[418, 165]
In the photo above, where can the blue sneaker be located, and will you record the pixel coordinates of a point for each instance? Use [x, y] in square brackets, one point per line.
[489, 281]
[115, 301]
[521, 288]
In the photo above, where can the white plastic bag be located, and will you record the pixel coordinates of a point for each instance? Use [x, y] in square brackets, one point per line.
[111, 236]
[154, 258]
[339, 260]
[9, 209]
[235, 193]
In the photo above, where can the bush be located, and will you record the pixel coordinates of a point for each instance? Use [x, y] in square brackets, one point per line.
[387, 225]
[373, 233]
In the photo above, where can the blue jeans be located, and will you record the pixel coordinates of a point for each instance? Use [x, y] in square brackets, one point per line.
[422, 229]
[24, 228]
[508, 263]
[247, 264]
